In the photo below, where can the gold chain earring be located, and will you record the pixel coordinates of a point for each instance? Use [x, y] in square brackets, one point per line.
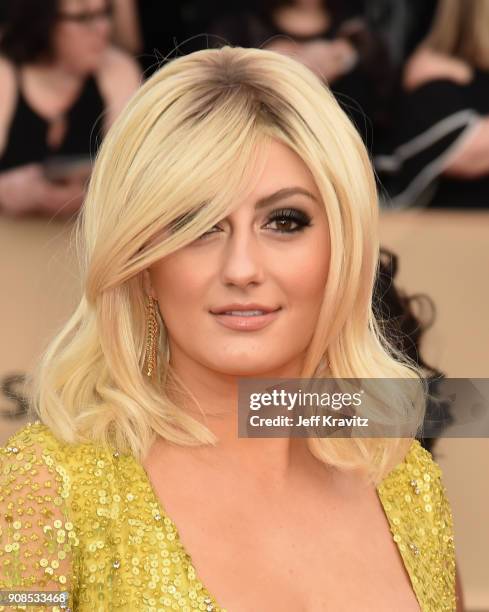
[152, 330]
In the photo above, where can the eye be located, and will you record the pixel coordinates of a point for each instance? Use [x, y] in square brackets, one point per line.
[284, 217]
[209, 232]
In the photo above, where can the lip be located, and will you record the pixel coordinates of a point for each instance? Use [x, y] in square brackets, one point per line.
[237, 306]
[246, 322]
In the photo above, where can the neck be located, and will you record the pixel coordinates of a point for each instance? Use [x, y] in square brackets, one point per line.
[57, 76]
[271, 461]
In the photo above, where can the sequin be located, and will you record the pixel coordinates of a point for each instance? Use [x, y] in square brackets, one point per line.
[427, 528]
[82, 517]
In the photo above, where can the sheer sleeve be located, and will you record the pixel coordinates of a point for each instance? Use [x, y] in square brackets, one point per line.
[38, 543]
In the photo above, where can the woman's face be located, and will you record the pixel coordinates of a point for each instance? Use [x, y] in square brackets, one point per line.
[81, 34]
[271, 256]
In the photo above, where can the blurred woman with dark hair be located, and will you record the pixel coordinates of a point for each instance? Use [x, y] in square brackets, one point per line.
[62, 87]
[439, 155]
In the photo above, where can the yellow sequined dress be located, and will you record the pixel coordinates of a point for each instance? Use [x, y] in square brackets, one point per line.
[86, 520]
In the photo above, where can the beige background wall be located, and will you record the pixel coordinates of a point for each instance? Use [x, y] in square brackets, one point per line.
[443, 254]
[446, 255]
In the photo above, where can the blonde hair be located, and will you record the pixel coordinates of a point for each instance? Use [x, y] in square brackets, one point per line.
[460, 29]
[176, 157]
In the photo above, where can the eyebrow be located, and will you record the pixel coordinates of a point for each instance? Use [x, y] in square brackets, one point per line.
[261, 203]
[283, 193]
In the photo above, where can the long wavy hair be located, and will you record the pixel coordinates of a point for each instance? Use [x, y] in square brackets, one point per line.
[459, 29]
[167, 171]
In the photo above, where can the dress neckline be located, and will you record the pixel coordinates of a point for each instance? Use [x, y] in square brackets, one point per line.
[67, 112]
[215, 607]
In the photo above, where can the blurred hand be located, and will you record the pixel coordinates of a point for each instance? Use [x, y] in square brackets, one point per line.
[356, 25]
[25, 190]
[328, 59]
[62, 199]
[283, 45]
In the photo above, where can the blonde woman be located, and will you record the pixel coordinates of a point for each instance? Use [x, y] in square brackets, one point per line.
[439, 155]
[229, 231]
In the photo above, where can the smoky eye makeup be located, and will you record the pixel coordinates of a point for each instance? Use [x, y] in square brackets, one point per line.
[285, 220]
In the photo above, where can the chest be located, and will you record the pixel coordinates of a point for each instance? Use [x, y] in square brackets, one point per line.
[302, 552]
[49, 102]
[69, 125]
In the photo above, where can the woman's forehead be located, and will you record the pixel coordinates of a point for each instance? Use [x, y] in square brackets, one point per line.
[78, 5]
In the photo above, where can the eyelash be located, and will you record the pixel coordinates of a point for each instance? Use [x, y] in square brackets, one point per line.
[300, 218]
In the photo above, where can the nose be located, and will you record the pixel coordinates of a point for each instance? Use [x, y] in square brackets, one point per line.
[102, 28]
[243, 261]
[101, 25]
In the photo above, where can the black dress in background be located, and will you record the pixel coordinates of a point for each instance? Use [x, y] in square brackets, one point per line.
[432, 122]
[361, 92]
[28, 131]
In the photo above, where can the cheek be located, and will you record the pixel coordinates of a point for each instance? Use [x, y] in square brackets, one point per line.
[179, 284]
[65, 41]
[305, 274]
[69, 50]
[310, 279]
[72, 46]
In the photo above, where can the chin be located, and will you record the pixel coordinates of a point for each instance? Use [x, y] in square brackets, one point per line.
[250, 368]
[90, 65]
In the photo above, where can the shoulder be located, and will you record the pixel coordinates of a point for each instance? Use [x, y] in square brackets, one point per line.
[420, 517]
[7, 73]
[40, 540]
[7, 94]
[37, 438]
[418, 457]
[116, 65]
[78, 474]
[418, 476]
[35, 452]
[33, 459]
[32, 438]
[118, 77]
[426, 66]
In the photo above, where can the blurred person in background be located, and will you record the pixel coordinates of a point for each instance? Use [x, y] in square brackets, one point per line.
[62, 85]
[439, 153]
[126, 26]
[152, 31]
[332, 38]
[403, 24]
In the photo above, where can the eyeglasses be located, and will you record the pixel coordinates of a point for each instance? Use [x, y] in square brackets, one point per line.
[87, 17]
